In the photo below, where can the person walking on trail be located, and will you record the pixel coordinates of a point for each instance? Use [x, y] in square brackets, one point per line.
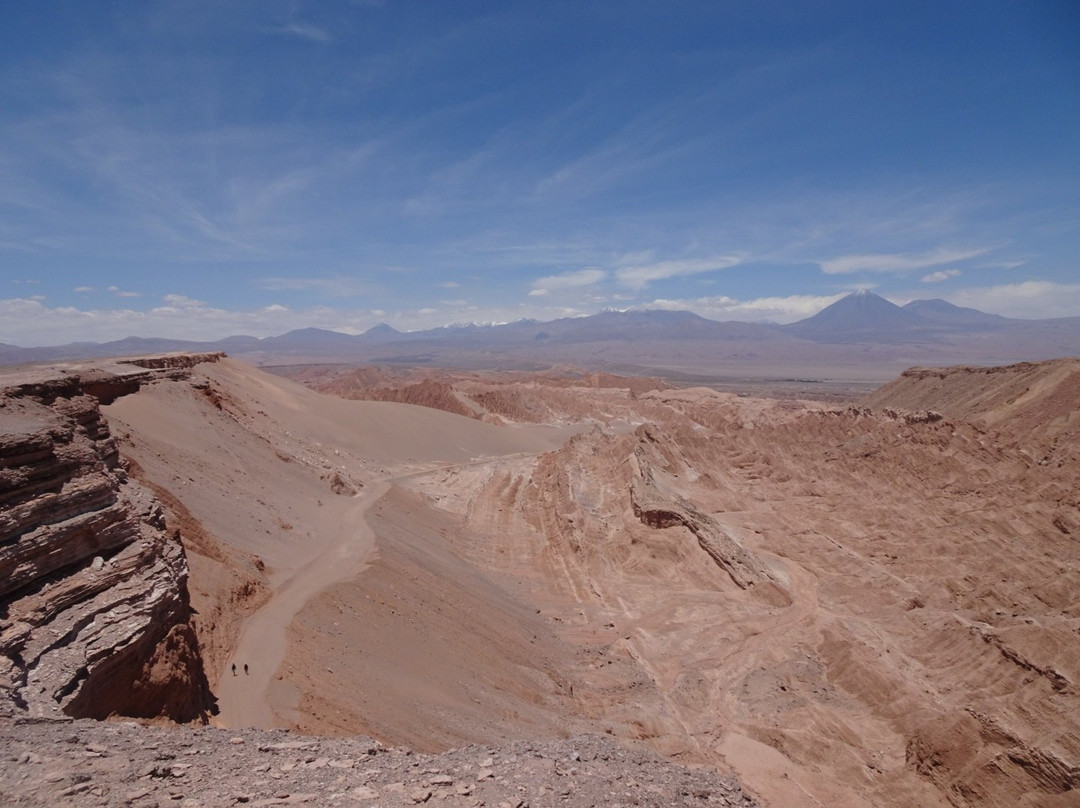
[245, 669]
[234, 669]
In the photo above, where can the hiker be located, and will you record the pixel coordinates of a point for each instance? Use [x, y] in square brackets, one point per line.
[245, 669]
[234, 669]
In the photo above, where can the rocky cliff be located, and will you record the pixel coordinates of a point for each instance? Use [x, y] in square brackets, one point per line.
[94, 613]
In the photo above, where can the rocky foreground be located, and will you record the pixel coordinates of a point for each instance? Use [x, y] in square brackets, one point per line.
[87, 763]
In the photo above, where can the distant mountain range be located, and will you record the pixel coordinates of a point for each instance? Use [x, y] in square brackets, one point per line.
[862, 329]
[866, 317]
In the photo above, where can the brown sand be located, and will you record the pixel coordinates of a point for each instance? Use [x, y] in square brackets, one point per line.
[254, 460]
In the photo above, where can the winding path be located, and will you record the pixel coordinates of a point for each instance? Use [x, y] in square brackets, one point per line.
[243, 697]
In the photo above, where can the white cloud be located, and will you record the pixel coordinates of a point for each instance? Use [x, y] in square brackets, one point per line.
[567, 280]
[84, 289]
[312, 33]
[1004, 264]
[641, 275]
[941, 275]
[756, 310]
[1034, 300]
[116, 290]
[449, 284]
[896, 262]
[183, 301]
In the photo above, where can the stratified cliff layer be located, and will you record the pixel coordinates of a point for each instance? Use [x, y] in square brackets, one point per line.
[94, 613]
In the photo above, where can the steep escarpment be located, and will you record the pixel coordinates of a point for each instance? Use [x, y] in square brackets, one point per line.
[94, 615]
[1032, 400]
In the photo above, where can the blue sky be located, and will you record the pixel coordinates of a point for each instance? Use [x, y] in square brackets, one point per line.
[198, 169]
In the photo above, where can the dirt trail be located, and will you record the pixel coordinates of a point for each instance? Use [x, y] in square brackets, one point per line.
[247, 696]
[244, 698]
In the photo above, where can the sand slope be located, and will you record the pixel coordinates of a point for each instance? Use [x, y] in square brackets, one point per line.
[272, 481]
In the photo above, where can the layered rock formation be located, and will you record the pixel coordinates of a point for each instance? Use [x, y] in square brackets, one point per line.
[926, 539]
[94, 614]
[660, 510]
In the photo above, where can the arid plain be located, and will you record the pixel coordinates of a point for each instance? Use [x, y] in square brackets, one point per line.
[865, 603]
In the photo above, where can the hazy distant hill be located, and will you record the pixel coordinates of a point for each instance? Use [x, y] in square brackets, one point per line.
[381, 333]
[862, 330]
[309, 339]
[862, 317]
[651, 325]
[944, 313]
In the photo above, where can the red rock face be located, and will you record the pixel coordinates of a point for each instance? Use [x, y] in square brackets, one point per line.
[94, 614]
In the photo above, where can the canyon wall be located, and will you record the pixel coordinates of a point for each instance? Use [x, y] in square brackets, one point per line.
[94, 612]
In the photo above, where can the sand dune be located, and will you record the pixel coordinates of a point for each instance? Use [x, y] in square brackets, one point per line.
[273, 480]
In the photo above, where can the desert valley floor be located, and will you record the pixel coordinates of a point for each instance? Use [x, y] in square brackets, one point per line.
[873, 602]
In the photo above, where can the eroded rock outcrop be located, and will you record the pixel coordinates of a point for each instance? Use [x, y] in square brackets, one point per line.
[660, 510]
[94, 613]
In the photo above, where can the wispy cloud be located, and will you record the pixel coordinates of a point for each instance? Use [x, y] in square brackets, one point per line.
[567, 280]
[116, 290]
[183, 301]
[897, 262]
[312, 33]
[641, 275]
[941, 275]
[242, 171]
[14, 245]
[502, 250]
[1029, 299]
[337, 286]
